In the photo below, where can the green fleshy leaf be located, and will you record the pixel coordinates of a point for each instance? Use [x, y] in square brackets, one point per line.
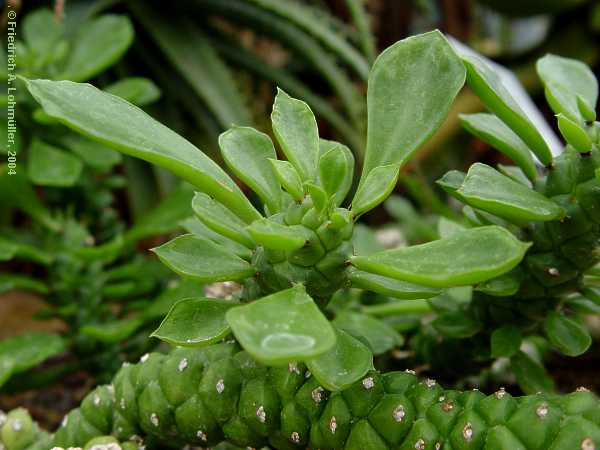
[574, 134]
[492, 130]
[531, 375]
[379, 336]
[411, 88]
[246, 152]
[447, 227]
[137, 90]
[195, 226]
[488, 86]
[296, 131]
[283, 327]
[42, 32]
[289, 178]
[457, 325]
[516, 174]
[347, 362]
[566, 79]
[23, 352]
[276, 236]
[569, 336]
[219, 219]
[195, 322]
[336, 170]
[502, 286]
[202, 260]
[113, 332]
[466, 257]
[107, 38]
[389, 286]
[487, 189]
[505, 341]
[317, 195]
[378, 185]
[113, 121]
[51, 166]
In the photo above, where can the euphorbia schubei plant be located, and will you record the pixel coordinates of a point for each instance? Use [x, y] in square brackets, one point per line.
[290, 379]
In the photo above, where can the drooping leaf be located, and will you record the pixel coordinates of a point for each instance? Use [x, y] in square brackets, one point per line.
[505, 341]
[289, 178]
[296, 131]
[492, 130]
[379, 336]
[502, 286]
[107, 38]
[195, 322]
[487, 189]
[113, 121]
[51, 166]
[10, 249]
[569, 336]
[16, 191]
[137, 90]
[411, 87]
[276, 236]
[161, 305]
[219, 219]
[390, 286]
[531, 375]
[488, 86]
[202, 260]
[246, 152]
[336, 170]
[466, 257]
[347, 362]
[283, 327]
[378, 185]
[457, 325]
[113, 332]
[94, 154]
[10, 281]
[20, 353]
[565, 80]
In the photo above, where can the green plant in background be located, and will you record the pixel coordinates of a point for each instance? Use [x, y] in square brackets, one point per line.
[76, 249]
[300, 379]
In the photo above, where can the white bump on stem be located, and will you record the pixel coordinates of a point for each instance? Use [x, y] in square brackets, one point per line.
[182, 365]
[430, 383]
[96, 400]
[202, 436]
[420, 445]
[588, 444]
[16, 425]
[542, 411]
[398, 413]
[467, 432]
[144, 358]
[295, 437]
[261, 415]
[317, 394]
[500, 393]
[154, 419]
[332, 424]
[220, 386]
[368, 383]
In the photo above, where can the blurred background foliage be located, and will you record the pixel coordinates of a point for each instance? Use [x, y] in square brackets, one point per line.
[201, 66]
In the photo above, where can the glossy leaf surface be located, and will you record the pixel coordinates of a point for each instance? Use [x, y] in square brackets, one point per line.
[379, 336]
[219, 219]
[411, 87]
[195, 322]
[202, 260]
[289, 178]
[283, 327]
[574, 134]
[530, 374]
[488, 86]
[487, 189]
[466, 257]
[378, 185]
[565, 79]
[113, 121]
[492, 130]
[276, 236]
[569, 336]
[296, 131]
[390, 286]
[505, 341]
[336, 170]
[348, 361]
[51, 166]
[246, 152]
